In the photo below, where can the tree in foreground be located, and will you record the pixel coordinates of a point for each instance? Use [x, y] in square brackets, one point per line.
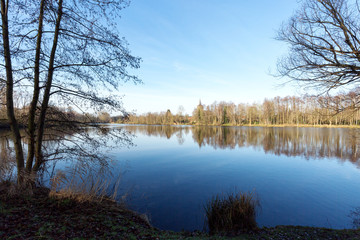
[66, 52]
[324, 41]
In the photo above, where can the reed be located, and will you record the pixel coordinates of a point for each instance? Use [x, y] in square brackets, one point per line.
[84, 186]
[233, 212]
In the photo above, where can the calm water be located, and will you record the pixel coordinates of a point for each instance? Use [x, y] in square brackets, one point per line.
[303, 176]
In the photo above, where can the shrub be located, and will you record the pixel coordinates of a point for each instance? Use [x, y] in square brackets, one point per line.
[233, 212]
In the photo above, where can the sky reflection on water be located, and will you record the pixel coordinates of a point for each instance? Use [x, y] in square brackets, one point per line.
[303, 176]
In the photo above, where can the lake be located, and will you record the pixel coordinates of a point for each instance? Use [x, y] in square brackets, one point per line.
[302, 176]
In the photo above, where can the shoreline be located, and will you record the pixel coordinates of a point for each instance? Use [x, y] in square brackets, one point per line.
[250, 125]
[40, 215]
[7, 126]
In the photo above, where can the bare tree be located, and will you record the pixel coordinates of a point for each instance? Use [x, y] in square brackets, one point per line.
[10, 88]
[324, 41]
[64, 51]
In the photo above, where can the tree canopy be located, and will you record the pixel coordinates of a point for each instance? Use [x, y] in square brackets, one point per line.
[60, 52]
[324, 41]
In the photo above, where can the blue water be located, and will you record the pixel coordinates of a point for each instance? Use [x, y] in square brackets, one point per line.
[302, 176]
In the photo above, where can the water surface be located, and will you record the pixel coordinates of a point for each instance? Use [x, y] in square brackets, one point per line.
[303, 176]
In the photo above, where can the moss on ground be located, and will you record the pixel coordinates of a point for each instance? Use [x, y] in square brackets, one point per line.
[39, 216]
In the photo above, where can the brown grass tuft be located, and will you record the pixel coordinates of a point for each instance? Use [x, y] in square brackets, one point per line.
[234, 212]
[83, 187]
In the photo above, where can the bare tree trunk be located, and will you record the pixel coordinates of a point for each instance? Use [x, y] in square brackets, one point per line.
[45, 103]
[9, 92]
[32, 111]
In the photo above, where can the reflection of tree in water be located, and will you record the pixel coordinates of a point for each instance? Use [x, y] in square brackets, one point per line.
[158, 130]
[180, 137]
[7, 160]
[290, 141]
[86, 147]
[53, 140]
[214, 136]
[355, 217]
[309, 142]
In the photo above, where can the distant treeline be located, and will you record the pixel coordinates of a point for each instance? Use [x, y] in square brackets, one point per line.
[341, 109]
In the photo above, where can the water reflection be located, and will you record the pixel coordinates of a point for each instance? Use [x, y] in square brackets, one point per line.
[355, 217]
[174, 170]
[86, 146]
[7, 161]
[318, 143]
[311, 143]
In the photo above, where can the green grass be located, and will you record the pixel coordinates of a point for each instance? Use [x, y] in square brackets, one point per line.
[233, 212]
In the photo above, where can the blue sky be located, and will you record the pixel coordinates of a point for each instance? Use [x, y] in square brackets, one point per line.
[211, 50]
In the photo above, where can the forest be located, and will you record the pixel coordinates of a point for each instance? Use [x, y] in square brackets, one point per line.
[338, 110]
[341, 109]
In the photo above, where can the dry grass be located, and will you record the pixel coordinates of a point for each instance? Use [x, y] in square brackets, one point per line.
[234, 212]
[300, 125]
[83, 186]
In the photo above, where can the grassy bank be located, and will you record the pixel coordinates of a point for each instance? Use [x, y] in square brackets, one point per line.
[40, 216]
